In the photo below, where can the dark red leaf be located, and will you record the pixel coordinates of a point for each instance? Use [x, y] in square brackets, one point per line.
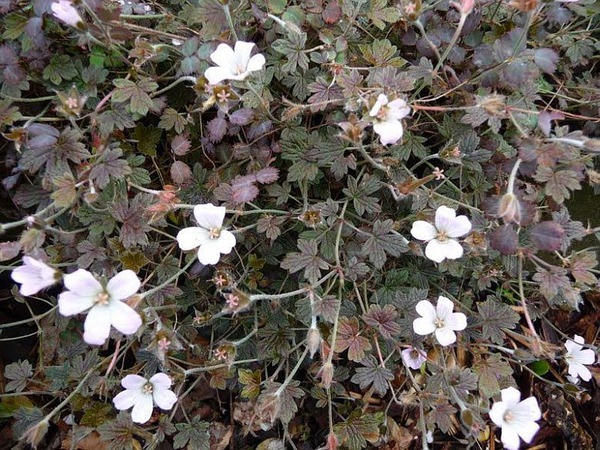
[547, 236]
[504, 239]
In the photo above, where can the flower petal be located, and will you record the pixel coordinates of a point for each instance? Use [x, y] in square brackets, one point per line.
[215, 75]
[161, 381]
[191, 237]
[126, 399]
[142, 410]
[458, 227]
[133, 382]
[452, 249]
[70, 303]
[436, 250]
[528, 431]
[164, 398]
[83, 283]
[382, 100]
[444, 308]
[423, 327]
[510, 439]
[497, 413]
[579, 370]
[389, 132]
[256, 63]
[209, 253]
[398, 109]
[457, 321]
[242, 52]
[425, 309]
[123, 285]
[511, 396]
[97, 325]
[423, 231]
[444, 216]
[445, 336]
[586, 356]
[226, 242]
[124, 318]
[224, 56]
[209, 216]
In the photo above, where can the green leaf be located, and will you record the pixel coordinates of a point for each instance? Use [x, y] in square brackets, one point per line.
[358, 428]
[382, 241]
[65, 193]
[147, 138]
[559, 183]
[307, 259]
[251, 380]
[14, 24]
[133, 260]
[494, 317]
[360, 194]
[381, 53]
[489, 371]
[137, 94]
[285, 398]
[373, 374]
[195, 435]
[96, 414]
[18, 373]
[380, 13]
[293, 49]
[60, 68]
[170, 118]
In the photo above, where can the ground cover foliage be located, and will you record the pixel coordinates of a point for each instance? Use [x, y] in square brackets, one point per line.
[299, 224]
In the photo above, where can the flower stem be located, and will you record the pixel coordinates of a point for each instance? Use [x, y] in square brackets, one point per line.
[290, 377]
[229, 20]
[169, 281]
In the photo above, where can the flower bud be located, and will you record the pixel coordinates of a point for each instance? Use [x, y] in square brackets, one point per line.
[509, 208]
[326, 374]
[313, 341]
[35, 433]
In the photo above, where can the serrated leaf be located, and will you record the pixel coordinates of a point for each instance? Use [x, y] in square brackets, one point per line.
[380, 13]
[170, 118]
[581, 266]
[383, 241]
[490, 370]
[61, 67]
[552, 282]
[147, 138]
[494, 317]
[384, 320]
[349, 337]
[293, 49]
[307, 259]
[359, 193]
[559, 183]
[109, 165]
[133, 260]
[193, 435]
[373, 374]
[18, 373]
[358, 429]
[65, 193]
[136, 93]
[251, 380]
[441, 416]
[96, 414]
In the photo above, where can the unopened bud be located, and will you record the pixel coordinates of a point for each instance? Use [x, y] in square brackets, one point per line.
[326, 374]
[35, 433]
[313, 341]
[509, 208]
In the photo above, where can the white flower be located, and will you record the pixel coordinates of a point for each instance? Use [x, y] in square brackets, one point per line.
[65, 11]
[211, 239]
[34, 276]
[439, 320]
[388, 114]
[576, 357]
[106, 303]
[233, 64]
[414, 357]
[516, 418]
[441, 242]
[143, 394]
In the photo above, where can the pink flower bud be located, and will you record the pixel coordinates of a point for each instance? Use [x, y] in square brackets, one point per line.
[509, 208]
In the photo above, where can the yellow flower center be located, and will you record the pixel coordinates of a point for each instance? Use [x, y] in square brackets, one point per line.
[214, 233]
[148, 388]
[442, 236]
[439, 322]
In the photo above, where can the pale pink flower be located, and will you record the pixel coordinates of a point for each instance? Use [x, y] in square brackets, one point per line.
[516, 418]
[143, 394]
[233, 63]
[439, 320]
[209, 237]
[34, 276]
[441, 237]
[387, 116]
[104, 301]
[414, 357]
[65, 11]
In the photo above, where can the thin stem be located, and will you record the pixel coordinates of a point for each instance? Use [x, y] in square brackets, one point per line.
[513, 176]
[256, 297]
[290, 377]
[173, 84]
[229, 20]
[170, 280]
[461, 24]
